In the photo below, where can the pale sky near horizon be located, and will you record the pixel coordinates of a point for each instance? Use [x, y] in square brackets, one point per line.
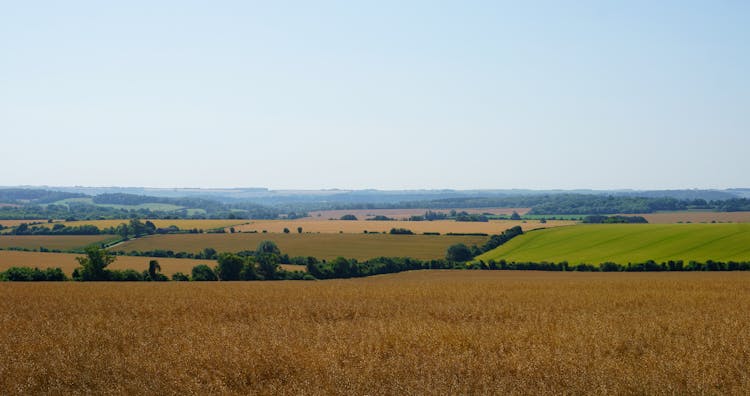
[376, 94]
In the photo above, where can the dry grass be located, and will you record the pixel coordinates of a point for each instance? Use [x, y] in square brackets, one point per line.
[13, 223]
[322, 246]
[60, 242]
[183, 224]
[419, 227]
[697, 217]
[405, 213]
[423, 332]
[68, 262]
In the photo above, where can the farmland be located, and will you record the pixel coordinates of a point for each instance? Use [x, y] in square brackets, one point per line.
[400, 214]
[183, 224]
[425, 332]
[697, 217]
[322, 246]
[623, 243]
[419, 227]
[56, 242]
[67, 262]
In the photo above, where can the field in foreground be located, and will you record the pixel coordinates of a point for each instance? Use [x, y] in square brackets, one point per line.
[623, 243]
[322, 246]
[425, 332]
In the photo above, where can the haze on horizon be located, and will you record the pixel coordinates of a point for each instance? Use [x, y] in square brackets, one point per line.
[386, 95]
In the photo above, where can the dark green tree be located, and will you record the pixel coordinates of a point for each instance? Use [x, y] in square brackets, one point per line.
[202, 272]
[94, 264]
[458, 252]
[229, 266]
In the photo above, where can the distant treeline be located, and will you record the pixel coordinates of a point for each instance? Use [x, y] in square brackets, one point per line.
[565, 204]
[599, 219]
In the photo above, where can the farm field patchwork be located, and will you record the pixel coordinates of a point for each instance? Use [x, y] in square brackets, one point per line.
[623, 243]
[696, 217]
[58, 242]
[183, 224]
[321, 246]
[400, 214]
[422, 332]
[360, 226]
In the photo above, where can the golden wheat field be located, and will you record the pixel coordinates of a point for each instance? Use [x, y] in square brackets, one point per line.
[419, 227]
[322, 246]
[423, 332]
[183, 224]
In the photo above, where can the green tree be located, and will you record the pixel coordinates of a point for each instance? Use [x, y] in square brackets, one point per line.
[515, 216]
[299, 230]
[268, 247]
[229, 266]
[458, 252]
[268, 265]
[94, 264]
[202, 272]
[286, 230]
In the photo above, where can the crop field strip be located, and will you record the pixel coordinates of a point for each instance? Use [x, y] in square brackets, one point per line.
[422, 332]
[696, 217]
[419, 227]
[400, 214]
[624, 243]
[321, 246]
[56, 242]
[67, 262]
[183, 224]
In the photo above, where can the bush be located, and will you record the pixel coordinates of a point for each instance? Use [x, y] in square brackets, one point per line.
[202, 273]
[348, 217]
[229, 266]
[400, 231]
[180, 277]
[458, 252]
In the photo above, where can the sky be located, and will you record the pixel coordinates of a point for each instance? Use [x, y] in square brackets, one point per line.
[376, 94]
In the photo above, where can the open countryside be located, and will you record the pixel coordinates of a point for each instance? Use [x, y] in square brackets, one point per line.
[418, 227]
[628, 243]
[403, 214]
[321, 246]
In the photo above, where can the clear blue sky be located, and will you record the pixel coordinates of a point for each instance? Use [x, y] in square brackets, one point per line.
[381, 94]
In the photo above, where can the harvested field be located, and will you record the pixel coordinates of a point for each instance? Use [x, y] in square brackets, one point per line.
[419, 227]
[68, 262]
[696, 217]
[322, 246]
[400, 214]
[58, 242]
[425, 332]
[13, 223]
[183, 224]
[624, 243]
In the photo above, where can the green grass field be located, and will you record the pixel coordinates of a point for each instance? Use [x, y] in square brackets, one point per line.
[322, 246]
[624, 243]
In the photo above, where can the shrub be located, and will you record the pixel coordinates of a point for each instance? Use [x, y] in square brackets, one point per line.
[202, 273]
[180, 277]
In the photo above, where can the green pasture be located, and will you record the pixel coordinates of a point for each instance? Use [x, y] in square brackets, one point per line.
[624, 243]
